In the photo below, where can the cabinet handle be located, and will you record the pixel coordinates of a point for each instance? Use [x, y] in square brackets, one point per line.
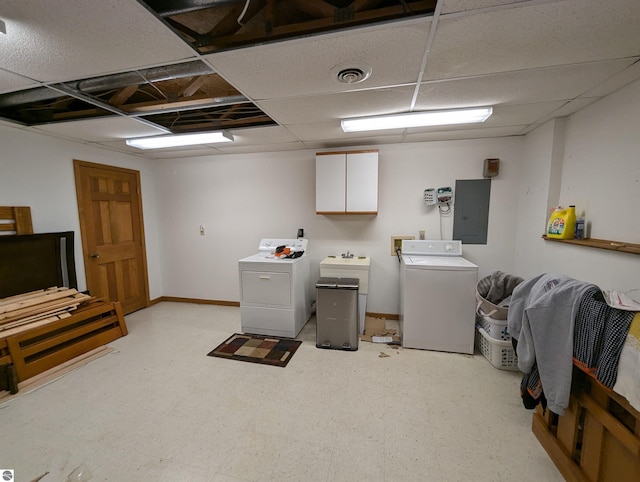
[265, 277]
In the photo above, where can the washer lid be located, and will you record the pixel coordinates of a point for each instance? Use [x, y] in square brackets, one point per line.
[438, 262]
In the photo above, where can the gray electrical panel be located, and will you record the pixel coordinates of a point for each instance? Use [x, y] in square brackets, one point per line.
[471, 211]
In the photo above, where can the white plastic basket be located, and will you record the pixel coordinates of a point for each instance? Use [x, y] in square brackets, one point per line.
[495, 328]
[500, 353]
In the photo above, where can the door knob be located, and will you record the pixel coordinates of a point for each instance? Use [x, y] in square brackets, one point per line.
[94, 255]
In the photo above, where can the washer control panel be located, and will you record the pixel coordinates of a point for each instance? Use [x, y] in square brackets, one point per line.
[435, 247]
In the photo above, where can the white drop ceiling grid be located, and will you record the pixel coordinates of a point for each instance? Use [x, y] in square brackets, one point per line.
[531, 59]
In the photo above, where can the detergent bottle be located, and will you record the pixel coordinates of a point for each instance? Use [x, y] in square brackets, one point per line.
[562, 223]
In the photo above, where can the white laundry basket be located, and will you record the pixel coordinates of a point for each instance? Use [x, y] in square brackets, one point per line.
[500, 353]
[496, 329]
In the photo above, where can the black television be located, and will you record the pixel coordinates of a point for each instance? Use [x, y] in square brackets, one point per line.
[30, 262]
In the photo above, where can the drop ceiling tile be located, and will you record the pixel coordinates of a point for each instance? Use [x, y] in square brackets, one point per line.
[539, 34]
[276, 147]
[10, 82]
[331, 107]
[521, 87]
[303, 66]
[453, 6]
[356, 142]
[260, 136]
[568, 108]
[506, 115]
[101, 129]
[622, 78]
[315, 131]
[325, 131]
[76, 39]
[6, 123]
[197, 151]
[448, 135]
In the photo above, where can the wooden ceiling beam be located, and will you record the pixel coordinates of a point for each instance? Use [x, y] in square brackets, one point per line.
[122, 95]
[159, 105]
[224, 124]
[316, 9]
[229, 23]
[316, 26]
[194, 85]
[360, 5]
[192, 34]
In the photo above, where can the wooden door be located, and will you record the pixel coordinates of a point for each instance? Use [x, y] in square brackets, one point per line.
[110, 208]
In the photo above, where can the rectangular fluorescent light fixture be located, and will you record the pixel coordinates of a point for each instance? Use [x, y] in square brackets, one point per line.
[417, 119]
[171, 140]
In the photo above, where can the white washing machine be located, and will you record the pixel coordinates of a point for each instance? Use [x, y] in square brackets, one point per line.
[356, 267]
[275, 292]
[437, 296]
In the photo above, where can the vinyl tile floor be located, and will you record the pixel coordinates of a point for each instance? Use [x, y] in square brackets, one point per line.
[158, 409]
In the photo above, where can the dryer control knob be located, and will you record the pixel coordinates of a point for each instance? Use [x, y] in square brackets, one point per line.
[448, 248]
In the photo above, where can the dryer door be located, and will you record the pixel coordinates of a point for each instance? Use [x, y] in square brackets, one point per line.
[266, 288]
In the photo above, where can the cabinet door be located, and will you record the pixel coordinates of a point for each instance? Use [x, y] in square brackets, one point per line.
[362, 182]
[331, 183]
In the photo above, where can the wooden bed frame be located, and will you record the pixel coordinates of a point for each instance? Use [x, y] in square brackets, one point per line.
[28, 350]
[15, 219]
[33, 350]
[598, 437]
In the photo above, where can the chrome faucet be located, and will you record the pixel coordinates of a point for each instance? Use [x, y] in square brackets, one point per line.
[347, 255]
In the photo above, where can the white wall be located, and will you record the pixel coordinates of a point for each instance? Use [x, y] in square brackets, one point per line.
[37, 171]
[600, 174]
[589, 159]
[243, 198]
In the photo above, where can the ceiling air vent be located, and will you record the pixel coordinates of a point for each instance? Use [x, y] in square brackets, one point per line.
[351, 73]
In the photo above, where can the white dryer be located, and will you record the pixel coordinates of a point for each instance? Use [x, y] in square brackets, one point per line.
[275, 292]
[437, 296]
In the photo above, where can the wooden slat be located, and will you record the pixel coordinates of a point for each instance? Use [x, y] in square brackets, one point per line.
[618, 430]
[69, 352]
[562, 459]
[23, 220]
[54, 295]
[8, 227]
[22, 325]
[28, 295]
[19, 218]
[41, 346]
[17, 314]
[568, 426]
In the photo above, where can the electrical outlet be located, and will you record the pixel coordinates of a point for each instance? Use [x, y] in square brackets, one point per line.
[421, 234]
[396, 243]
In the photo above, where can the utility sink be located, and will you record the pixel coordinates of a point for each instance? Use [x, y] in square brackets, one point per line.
[339, 260]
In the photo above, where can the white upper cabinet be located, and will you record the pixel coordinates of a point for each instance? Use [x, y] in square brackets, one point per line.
[347, 182]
